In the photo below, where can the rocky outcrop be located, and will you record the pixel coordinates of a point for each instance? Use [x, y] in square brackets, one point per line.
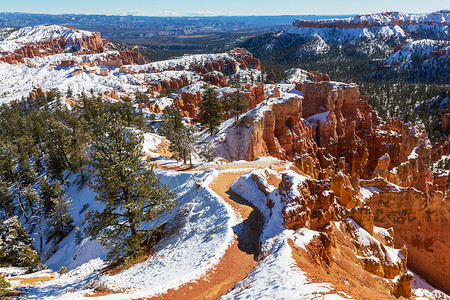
[165, 85]
[254, 94]
[217, 80]
[307, 202]
[347, 236]
[85, 45]
[381, 173]
[373, 20]
[419, 223]
[280, 132]
[190, 104]
[245, 58]
[402, 286]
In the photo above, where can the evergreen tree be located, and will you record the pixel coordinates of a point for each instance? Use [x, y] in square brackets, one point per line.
[58, 145]
[183, 143]
[16, 246]
[208, 151]
[47, 194]
[128, 187]
[142, 101]
[59, 218]
[235, 104]
[172, 122]
[210, 109]
[6, 200]
[4, 285]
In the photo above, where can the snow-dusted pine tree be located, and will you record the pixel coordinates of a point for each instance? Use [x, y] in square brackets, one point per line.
[127, 186]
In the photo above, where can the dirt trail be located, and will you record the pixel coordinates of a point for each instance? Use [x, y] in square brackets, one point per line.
[240, 257]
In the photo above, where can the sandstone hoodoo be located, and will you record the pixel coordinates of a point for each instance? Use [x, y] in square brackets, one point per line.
[332, 134]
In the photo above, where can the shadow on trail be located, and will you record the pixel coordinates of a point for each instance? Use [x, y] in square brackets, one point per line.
[250, 229]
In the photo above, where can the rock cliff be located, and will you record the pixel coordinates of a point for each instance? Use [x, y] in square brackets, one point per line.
[333, 135]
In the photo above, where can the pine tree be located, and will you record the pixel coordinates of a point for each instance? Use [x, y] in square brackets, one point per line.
[142, 100]
[210, 108]
[183, 143]
[58, 145]
[6, 200]
[4, 285]
[208, 151]
[16, 246]
[47, 193]
[127, 186]
[59, 218]
[172, 122]
[234, 104]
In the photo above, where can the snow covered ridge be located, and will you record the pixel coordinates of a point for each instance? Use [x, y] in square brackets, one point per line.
[379, 19]
[61, 58]
[372, 26]
[12, 39]
[426, 48]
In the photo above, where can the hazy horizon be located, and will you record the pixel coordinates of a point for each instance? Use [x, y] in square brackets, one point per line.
[199, 8]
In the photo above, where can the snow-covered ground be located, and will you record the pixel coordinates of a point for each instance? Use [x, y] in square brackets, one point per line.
[12, 39]
[199, 232]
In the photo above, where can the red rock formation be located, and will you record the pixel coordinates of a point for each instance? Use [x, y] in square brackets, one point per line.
[245, 58]
[440, 148]
[254, 94]
[166, 85]
[276, 92]
[190, 104]
[85, 45]
[37, 92]
[305, 203]
[281, 132]
[346, 143]
[446, 122]
[419, 223]
[67, 63]
[362, 22]
[309, 203]
[217, 80]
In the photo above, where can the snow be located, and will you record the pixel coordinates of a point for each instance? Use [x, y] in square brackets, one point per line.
[413, 155]
[278, 277]
[296, 75]
[373, 246]
[151, 142]
[378, 23]
[318, 118]
[200, 231]
[277, 274]
[12, 40]
[423, 290]
[11, 271]
[408, 53]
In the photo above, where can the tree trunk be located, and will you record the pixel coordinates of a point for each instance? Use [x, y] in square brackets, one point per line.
[40, 225]
[22, 207]
[65, 156]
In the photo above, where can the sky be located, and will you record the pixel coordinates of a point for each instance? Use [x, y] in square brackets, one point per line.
[222, 7]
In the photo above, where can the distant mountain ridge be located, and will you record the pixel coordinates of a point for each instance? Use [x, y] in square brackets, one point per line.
[387, 45]
[19, 19]
[374, 26]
